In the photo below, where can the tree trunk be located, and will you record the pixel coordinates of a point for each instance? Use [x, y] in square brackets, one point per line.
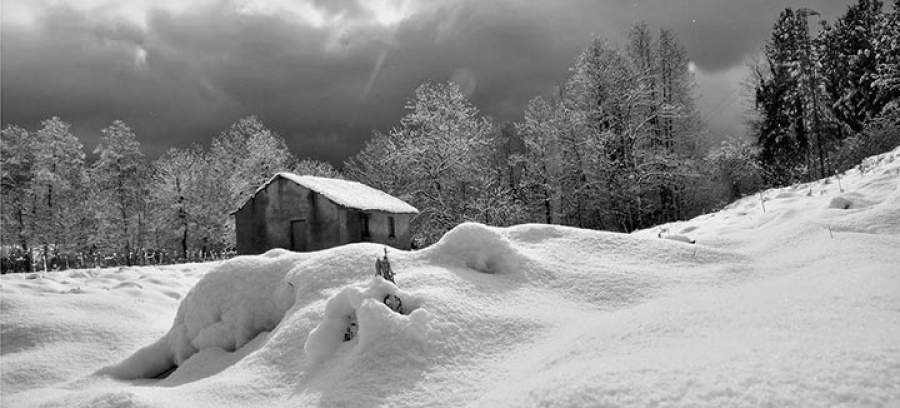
[184, 243]
[128, 260]
[22, 241]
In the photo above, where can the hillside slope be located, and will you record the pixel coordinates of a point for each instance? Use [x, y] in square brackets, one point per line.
[797, 305]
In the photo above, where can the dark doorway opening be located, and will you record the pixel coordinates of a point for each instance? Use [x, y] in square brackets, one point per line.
[298, 235]
[364, 226]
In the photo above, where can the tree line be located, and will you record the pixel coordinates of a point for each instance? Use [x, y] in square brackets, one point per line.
[123, 208]
[618, 145]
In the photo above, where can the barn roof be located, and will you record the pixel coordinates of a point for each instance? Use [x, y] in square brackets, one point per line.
[346, 193]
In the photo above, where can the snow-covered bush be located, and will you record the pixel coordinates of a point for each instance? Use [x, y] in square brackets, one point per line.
[736, 168]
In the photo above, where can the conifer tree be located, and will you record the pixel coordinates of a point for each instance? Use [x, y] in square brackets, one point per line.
[850, 63]
[782, 132]
[887, 58]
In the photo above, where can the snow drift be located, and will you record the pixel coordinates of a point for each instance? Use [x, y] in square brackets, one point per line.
[363, 306]
[477, 247]
[227, 308]
[792, 306]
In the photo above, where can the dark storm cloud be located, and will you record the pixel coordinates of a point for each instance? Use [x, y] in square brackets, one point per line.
[718, 34]
[185, 76]
[92, 72]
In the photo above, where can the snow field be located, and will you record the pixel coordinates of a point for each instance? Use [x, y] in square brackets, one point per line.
[55, 325]
[795, 306]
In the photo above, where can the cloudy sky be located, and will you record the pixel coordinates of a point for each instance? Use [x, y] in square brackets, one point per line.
[325, 74]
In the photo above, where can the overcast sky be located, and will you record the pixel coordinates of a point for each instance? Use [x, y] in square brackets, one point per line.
[325, 74]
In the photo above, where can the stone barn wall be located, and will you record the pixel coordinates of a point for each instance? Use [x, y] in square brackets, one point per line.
[287, 215]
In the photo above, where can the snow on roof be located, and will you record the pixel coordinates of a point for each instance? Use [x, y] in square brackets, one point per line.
[347, 193]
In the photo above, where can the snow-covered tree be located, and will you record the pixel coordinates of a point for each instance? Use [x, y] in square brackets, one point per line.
[249, 154]
[241, 159]
[631, 131]
[850, 61]
[887, 58]
[178, 192]
[316, 168]
[382, 164]
[61, 215]
[120, 190]
[782, 131]
[504, 144]
[541, 162]
[617, 147]
[735, 165]
[434, 160]
[670, 166]
[645, 53]
[17, 175]
[810, 95]
[442, 136]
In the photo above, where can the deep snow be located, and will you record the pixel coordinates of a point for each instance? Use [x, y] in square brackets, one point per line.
[795, 306]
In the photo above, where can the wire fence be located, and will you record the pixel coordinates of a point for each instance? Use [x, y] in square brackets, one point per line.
[21, 262]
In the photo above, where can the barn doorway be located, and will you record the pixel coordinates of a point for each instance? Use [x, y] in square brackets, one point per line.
[298, 235]
[364, 226]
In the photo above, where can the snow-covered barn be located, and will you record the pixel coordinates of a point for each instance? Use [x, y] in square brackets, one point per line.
[305, 213]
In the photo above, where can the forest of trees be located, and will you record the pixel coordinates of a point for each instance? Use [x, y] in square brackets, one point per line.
[124, 207]
[825, 102]
[619, 145]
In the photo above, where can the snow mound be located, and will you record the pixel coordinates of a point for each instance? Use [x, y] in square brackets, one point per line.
[851, 201]
[840, 203]
[479, 247]
[226, 309]
[363, 306]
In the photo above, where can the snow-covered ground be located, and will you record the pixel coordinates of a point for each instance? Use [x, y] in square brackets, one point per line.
[797, 305]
